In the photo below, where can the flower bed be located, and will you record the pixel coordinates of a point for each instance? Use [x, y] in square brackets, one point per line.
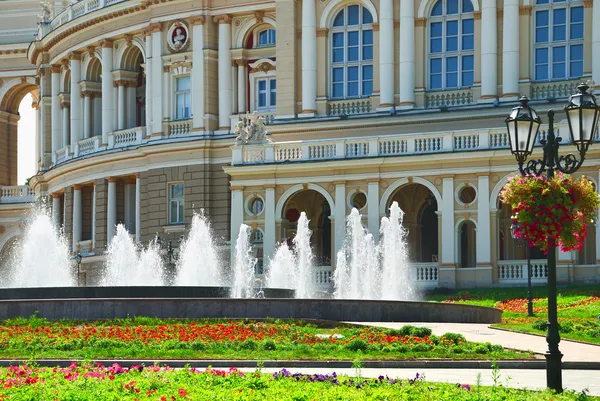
[136, 383]
[144, 338]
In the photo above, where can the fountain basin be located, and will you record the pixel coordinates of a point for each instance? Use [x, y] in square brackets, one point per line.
[198, 308]
[131, 292]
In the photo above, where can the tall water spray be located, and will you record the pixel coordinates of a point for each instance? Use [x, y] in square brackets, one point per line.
[42, 258]
[304, 259]
[396, 283]
[128, 266]
[243, 265]
[198, 263]
[283, 268]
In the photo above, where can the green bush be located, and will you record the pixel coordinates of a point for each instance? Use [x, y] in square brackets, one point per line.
[458, 349]
[405, 330]
[402, 348]
[249, 345]
[454, 337]
[539, 325]
[269, 345]
[357, 345]
[481, 349]
[420, 331]
[421, 348]
[198, 346]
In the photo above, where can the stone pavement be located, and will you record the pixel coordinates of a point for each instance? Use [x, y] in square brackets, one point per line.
[576, 380]
[572, 351]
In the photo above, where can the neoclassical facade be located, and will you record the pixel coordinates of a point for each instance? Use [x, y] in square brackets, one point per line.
[140, 105]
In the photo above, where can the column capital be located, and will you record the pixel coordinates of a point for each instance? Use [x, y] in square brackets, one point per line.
[155, 27]
[56, 68]
[525, 10]
[65, 63]
[56, 195]
[112, 179]
[373, 181]
[236, 188]
[106, 44]
[166, 68]
[222, 19]
[35, 105]
[76, 187]
[323, 32]
[121, 82]
[500, 13]
[339, 182]
[138, 176]
[240, 62]
[65, 105]
[396, 24]
[269, 186]
[420, 21]
[588, 3]
[198, 20]
[91, 51]
[476, 15]
[75, 56]
[375, 26]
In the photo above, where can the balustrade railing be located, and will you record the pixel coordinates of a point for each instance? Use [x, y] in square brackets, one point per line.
[16, 194]
[179, 128]
[514, 271]
[323, 276]
[127, 137]
[357, 149]
[348, 107]
[80, 8]
[62, 155]
[553, 90]
[426, 274]
[87, 146]
[448, 98]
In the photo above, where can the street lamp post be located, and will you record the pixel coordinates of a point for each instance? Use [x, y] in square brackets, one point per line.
[78, 258]
[523, 125]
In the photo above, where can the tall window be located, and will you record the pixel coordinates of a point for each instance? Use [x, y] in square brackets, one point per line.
[352, 53]
[176, 203]
[558, 39]
[451, 43]
[183, 88]
[266, 97]
[266, 38]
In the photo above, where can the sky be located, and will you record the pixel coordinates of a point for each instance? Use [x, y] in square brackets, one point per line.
[26, 140]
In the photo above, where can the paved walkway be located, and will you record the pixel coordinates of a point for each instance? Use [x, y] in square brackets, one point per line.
[576, 380]
[572, 351]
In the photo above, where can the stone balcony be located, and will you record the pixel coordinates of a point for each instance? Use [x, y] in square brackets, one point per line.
[78, 9]
[16, 194]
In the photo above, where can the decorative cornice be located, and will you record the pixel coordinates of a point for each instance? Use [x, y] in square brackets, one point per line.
[476, 15]
[396, 24]
[198, 20]
[322, 32]
[264, 67]
[525, 10]
[222, 19]
[13, 51]
[76, 187]
[166, 68]
[420, 21]
[65, 105]
[259, 15]
[112, 179]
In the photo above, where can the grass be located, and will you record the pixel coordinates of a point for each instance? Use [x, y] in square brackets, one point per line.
[578, 309]
[146, 338]
[93, 382]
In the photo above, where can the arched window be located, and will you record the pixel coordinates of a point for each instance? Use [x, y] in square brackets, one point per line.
[352, 53]
[451, 44]
[558, 39]
[266, 38]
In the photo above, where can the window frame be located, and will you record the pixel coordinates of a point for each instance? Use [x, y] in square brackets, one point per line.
[551, 43]
[444, 55]
[176, 93]
[359, 63]
[269, 43]
[180, 203]
[253, 78]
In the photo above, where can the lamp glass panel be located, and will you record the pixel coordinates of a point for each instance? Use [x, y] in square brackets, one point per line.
[524, 129]
[573, 115]
[588, 117]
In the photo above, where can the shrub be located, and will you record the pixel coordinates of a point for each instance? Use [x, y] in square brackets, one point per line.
[421, 348]
[198, 346]
[269, 345]
[405, 330]
[249, 345]
[420, 331]
[454, 337]
[356, 345]
[402, 348]
[539, 325]
[481, 349]
[458, 349]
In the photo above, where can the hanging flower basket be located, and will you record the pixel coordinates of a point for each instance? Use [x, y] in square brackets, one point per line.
[556, 209]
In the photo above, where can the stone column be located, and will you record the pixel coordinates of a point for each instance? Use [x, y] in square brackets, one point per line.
[75, 98]
[56, 210]
[386, 54]
[156, 80]
[166, 99]
[269, 237]
[149, 77]
[483, 235]
[138, 207]
[129, 206]
[448, 235]
[108, 92]
[489, 50]
[77, 217]
[66, 122]
[198, 73]
[131, 105]
[36, 106]
[87, 114]
[43, 111]
[56, 117]
[237, 215]
[373, 208]
[234, 87]
[111, 220]
[596, 48]
[339, 214]
[121, 105]
[309, 58]
[407, 53]
[225, 90]
[242, 86]
[94, 217]
[510, 49]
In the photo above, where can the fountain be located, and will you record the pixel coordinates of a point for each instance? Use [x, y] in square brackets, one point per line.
[243, 266]
[282, 268]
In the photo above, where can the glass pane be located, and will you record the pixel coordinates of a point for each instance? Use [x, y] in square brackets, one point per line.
[338, 75]
[559, 32]
[338, 40]
[263, 38]
[541, 18]
[435, 66]
[467, 26]
[541, 35]
[338, 90]
[272, 36]
[576, 52]
[188, 101]
[180, 213]
[353, 53]
[451, 43]
[541, 72]
[367, 37]
[353, 15]
[367, 17]
[273, 99]
[452, 80]
[436, 29]
[273, 84]
[467, 63]
[452, 28]
[262, 100]
[467, 42]
[558, 54]
[183, 84]
[262, 85]
[173, 213]
[367, 72]
[352, 73]
[467, 78]
[576, 69]
[452, 64]
[367, 53]
[435, 81]
[558, 70]
[352, 89]
[177, 191]
[576, 31]
[542, 2]
[353, 38]
[560, 16]
[467, 6]
[436, 45]
[452, 7]
[180, 106]
[541, 56]
[367, 88]
[338, 55]
[339, 19]
[576, 14]
[437, 8]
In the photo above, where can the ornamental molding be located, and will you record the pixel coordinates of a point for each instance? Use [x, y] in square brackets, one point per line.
[375, 26]
[588, 3]
[420, 21]
[525, 10]
[251, 130]
[476, 15]
[197, 20]
[262, 65]
[323, 32]
[178, 37]
[222, 19]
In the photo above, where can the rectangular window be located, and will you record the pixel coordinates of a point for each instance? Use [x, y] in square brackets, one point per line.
[352, 54]
[576, 61]
[183, 97]
[176, 192]
[338, 48]
[352, 81]
[467, 70]
[541, 64]
[436, 37]
[435, 73]
[273, 92]
[468, 29]
[338, 83]
[367, 80]
[452, 72]
[367, 47]
[541, 26]
[266, 94]
[452, 36]
[576, 23]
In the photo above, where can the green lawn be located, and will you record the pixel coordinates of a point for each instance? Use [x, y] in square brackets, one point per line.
[578, 308]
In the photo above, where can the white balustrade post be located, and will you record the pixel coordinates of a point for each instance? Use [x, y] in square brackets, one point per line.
[489, 51]
[56, 116]
[77, 217]
[156, 80]
[237, 215]
[225, 92]
[407, 53]
[138, 208]
[448, 234]
[483, 236]
[198, 73]
[309, 58]
[75, 98]
[111, 221]
[43, 110]
[596, 47]
[510, 49]
[269, 237]
[340, 215]
[386, 54]
[242, 80]
[373, 208]
[108, 92]
[56, 209]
